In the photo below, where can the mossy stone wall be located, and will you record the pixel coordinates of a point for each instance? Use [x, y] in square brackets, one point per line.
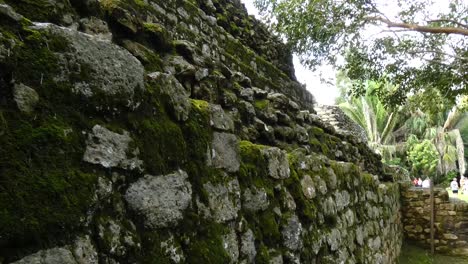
[450, 215]
[144, 131]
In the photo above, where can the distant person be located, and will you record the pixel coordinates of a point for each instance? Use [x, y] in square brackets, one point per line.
[419, 182]
[415, 182]
[426, 183]
[454, 186]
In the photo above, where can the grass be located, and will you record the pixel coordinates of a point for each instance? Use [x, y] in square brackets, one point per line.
[462, 197]
[411, 254]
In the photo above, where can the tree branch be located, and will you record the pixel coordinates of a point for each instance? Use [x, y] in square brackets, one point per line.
[441, 53]
[419, 28]
[450, 21]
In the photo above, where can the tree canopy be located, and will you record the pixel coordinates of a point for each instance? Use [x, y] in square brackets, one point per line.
[413, 44]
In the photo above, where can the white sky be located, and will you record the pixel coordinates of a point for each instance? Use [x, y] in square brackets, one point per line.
[324, 93]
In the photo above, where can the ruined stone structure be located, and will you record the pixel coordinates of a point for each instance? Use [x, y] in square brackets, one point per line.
[340, 121]
[145, 131]
[451, 220]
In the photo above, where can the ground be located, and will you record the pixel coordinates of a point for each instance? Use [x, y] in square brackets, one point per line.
[416, 255]
[463, 197]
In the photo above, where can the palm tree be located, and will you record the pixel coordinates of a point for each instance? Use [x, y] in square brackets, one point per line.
[372, 115]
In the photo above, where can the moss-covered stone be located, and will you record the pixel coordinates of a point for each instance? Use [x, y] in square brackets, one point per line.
[44, 190]
[43, 10]
[207, 245]
[161, 144]
[158, 36]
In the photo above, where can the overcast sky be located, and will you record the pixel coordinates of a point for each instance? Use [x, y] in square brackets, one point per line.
[323, 93]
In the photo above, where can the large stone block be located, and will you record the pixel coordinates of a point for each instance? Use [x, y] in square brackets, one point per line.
[225, 152]
[110, 70]
[177, 97]
[160, 200]
[223, 201]
[278, 164]
[291, 233]
[110, 149]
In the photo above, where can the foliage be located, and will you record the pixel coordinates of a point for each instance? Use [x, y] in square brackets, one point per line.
[377, 120]
[371, 114]
[393, 131]
[449, 177]
[410, 43]
[423, 157]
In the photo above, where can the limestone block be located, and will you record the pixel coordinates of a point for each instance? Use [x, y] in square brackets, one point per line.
[116, 238]
[225, 152]
[230, 245]
[278, 164]
[223, 200]
[160, 200]
[25, 97]
[308, 187]
[81, 252]
[248, 250]
[177, 96]
[84, 251]
[254, 199]
[50, 256]
[289, 201]
[450, 236]
[291, 233]
[110, 149]
[220, 119]
[114, 70]
[247, 94]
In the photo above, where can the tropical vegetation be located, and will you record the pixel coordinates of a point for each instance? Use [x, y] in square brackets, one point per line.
[427, 135]
[416, 44]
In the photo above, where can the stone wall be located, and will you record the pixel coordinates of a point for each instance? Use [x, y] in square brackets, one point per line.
[451, 220]
[340, 121]
[137, 131]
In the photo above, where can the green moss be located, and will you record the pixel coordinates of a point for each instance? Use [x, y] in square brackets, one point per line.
[41, 10]
[254, 166]
[159, 38]
[269, 68]
[141, 3]
[268, 224]
[318, 146]
[222, 21]
[109, 5]
[263, 256]
[207, 245]
[306, 208]
[261, 104]
[161, 144]
[201, 105]
[44, 192]
[152, 251]
[150, 59]
[198, 137]
[367, 179]
[152, 27]
[34, 62]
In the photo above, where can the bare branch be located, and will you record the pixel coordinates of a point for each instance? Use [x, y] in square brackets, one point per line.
[419, 28]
